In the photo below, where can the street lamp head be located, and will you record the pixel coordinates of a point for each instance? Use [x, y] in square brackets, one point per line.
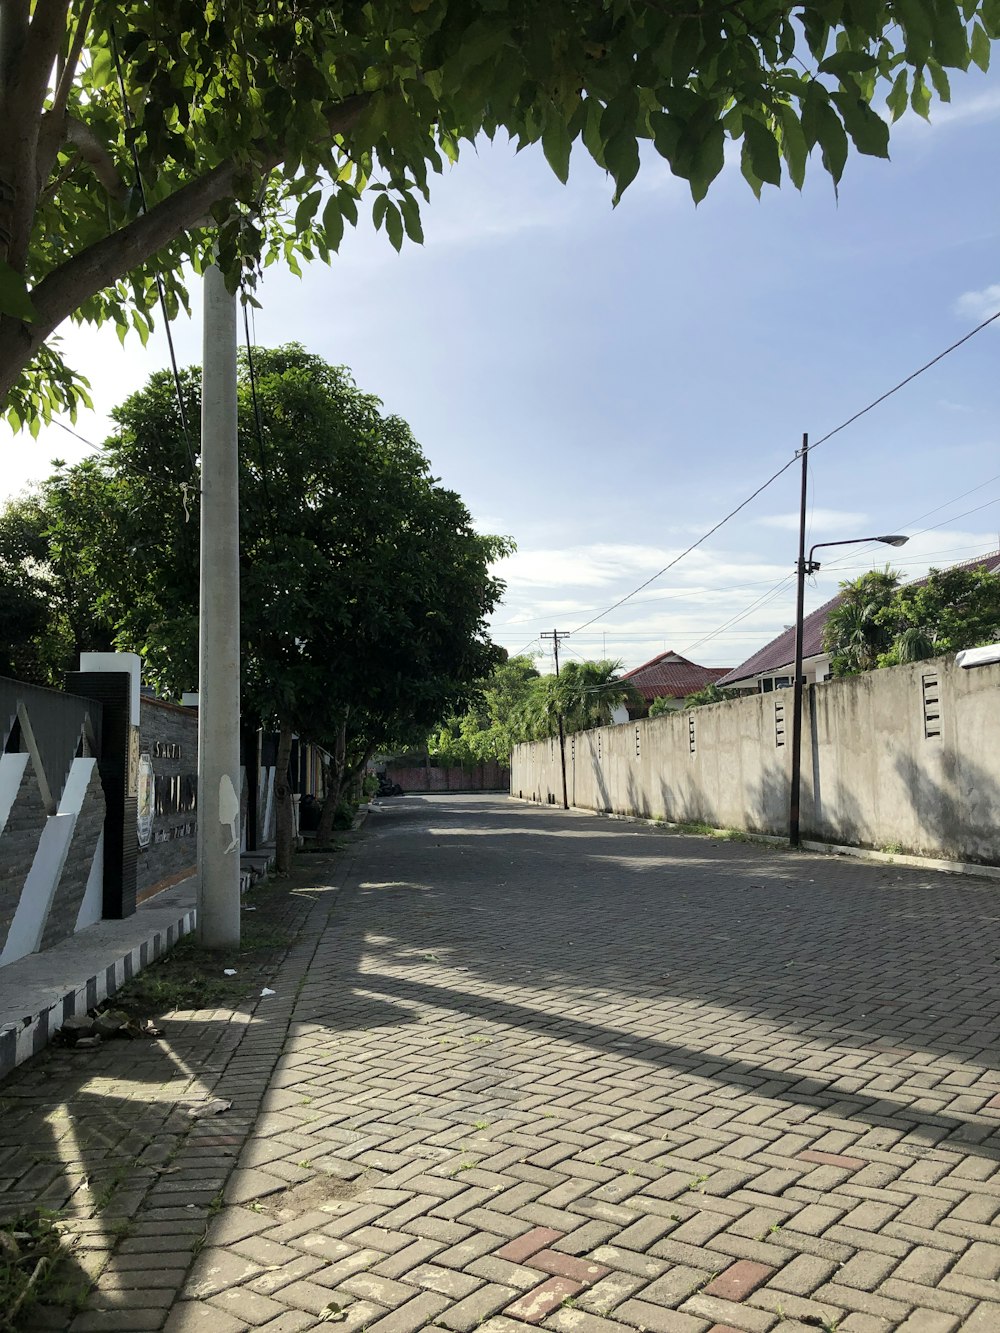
[894, 539]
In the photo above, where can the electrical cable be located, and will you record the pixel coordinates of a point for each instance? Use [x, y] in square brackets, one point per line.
[903, 383]
[815, 445]
[694, 545]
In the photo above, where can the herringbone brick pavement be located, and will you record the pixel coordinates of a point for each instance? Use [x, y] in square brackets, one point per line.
[546, 1069]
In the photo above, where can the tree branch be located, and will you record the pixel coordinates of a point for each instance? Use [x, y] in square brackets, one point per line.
[53, 127]
[68, 72]
[123, 251]
[96, 156]
[23, 96]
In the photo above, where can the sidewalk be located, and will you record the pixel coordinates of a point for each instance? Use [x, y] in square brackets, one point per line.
[528, 1068]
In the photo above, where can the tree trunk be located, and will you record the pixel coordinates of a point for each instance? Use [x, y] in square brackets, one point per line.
[324, 833]
[284, 833]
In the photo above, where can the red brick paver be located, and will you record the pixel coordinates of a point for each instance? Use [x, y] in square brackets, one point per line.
[519, 1249]
[739, 1280]
[534, 1305]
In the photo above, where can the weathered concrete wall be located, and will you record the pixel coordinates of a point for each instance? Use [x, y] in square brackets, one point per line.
[169, 735]
[907, 758]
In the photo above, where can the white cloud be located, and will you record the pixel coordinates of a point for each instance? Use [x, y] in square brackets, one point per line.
[820, 520]
[974, 110]
[979, 305]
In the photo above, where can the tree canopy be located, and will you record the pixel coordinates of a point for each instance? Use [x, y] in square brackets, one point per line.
[138, 136]
[517, 704]
[365, 588]
[879, 623]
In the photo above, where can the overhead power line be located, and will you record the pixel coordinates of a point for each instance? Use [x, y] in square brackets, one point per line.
[694, 545]
[903, 383]
[822, 440]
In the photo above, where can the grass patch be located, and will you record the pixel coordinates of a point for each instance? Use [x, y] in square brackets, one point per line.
[708, 831]
[34, 1266]
[190, 977]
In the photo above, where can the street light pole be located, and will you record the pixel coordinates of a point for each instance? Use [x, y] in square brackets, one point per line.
[800, 594]
[803, 567]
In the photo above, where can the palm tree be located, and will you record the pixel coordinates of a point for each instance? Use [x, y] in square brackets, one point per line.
[589, 692]
[856, 632]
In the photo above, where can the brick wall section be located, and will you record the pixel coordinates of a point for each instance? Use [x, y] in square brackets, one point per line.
[18, 844]
[172, 851]
[72, 884]
[484, 777]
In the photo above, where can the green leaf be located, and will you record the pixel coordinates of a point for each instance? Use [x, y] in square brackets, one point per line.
[410, 210]
[847, 62]
[793, 146]
[333, 222]
[821, 125]
[762, 150]
[394, 226]
[14, 298]
[899, 97]
[707, 162]
[868, 130]
[920, 97]
[306, 210]
[980, 47]
[621, 153]
[556, 145]
[939, 78]
[379, 209]
[746, 167]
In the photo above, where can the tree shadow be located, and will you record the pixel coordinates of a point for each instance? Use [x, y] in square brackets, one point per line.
[834, 954]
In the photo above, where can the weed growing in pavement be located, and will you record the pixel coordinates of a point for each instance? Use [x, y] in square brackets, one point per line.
[110, 1187]
[480, 1124]
[32, 1258]
[892, 849]
[697, 1183]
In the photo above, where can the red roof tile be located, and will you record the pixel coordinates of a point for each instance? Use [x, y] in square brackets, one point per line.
[671, 676]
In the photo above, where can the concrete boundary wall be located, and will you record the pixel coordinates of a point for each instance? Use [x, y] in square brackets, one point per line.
[906, 758]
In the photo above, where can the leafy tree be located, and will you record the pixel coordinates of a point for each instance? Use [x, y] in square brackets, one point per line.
[48, 611]
[854, 634]
[492, 725]
[364, 588]
[952, 609]
[27, 597]
[708, 694]
[662, 704]
[138, 135]
[882, 624]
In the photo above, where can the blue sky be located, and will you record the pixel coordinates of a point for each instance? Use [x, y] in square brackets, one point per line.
[603, 385]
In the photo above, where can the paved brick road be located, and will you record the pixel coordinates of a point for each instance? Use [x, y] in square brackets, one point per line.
[551, 1069]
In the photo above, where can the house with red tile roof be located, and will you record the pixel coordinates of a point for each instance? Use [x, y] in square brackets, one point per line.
[772, 667]
[669, 676]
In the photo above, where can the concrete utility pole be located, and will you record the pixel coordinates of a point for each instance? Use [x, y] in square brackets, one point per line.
[555, 636]
[219, 620]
